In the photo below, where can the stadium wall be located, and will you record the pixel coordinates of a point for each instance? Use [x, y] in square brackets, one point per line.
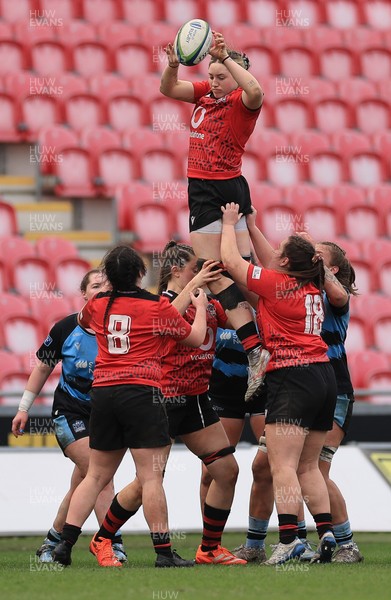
[34, 482]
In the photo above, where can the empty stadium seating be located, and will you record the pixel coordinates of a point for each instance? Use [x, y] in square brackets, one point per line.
[88, 91]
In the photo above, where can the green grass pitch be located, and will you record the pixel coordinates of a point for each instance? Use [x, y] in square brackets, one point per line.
[22, 577]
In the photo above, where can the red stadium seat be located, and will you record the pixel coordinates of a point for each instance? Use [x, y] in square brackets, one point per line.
[28, 34]
[224, 12]
[74, 174]
[8, 223]
[327, 169]
[280, 38]
[305, 13]
[243, 33]
[333, 114]
[264, 195]
[253, 167]
[10, 363]
[91, 58]
[309, 142]
[13, 382]
[50, 308]
[115, 33]
[345, 196]
[263, 59]
[49, 58]
[359, 336]
[351, 248]
[76, 32]
[382, 328]
[125, 196]
[379, 253]
[379, 381]
[161, 34]
[320, 89]
[126, 111]
[286, 168]
[12, 54]
[277, 222]
[108, 85]
[55, 247]
[140, 12]
[292, 114]
[265, 13]
[68, 273]
[338, 64]
[382, 142]
[267, 141]
[348, 142]
[12, 305]
[9, 119]
[12, 249]
[373, 116]
[21, 334]
[366, 276]
[133, 58]
[152, 225]
[343, 14]
[363, 364]
[12, 11]
[84, 110]
[99, 139]
[377, 14]
[67, 84]
[321, 222]
[51, 141]
[37, 111]
[4, 281]
[31, 276]
[361, 38]
[376, 63]
[160, 165]
[66, 10]
[302, 196]
[142, 139]
[362, 222]
[177, 12]
[356, 89]
[115, 166]
[298, 62]
[322, 36]
[367, 169]
[97, 11]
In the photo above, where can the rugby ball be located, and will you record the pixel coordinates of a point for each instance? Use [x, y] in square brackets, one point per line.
[193, 42]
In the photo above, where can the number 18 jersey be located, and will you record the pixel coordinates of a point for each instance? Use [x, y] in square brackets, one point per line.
[289, 318]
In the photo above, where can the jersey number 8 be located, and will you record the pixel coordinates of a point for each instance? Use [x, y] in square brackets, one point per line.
[118, 341]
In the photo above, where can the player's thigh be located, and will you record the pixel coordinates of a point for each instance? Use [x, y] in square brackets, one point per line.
[233, 428]
[79, 453]
[207, 440]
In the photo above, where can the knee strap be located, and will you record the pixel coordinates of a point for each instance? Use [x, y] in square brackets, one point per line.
[327, 453]
[230, 297]
[208, 459]
[262, 444]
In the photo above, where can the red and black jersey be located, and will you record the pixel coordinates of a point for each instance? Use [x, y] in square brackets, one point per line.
[137, 328]
[219, 130]
[186, 370]
[290, 318]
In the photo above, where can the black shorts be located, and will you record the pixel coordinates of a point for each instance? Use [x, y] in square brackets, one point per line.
[234, 407]
[187, 414]
[303, 396]
[127, 416]
[207, 196]
[71, 418]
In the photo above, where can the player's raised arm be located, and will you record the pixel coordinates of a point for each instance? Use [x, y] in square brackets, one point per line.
[170, 85]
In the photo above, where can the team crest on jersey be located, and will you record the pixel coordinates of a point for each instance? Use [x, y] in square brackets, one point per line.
[211, 310]
[256, 273]
[78, 426]
[48, 341]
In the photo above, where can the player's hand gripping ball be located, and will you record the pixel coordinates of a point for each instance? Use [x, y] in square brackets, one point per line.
[193, 42]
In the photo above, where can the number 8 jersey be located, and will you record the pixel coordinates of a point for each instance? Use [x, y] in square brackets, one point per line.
[290, 318]
[130, 348]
